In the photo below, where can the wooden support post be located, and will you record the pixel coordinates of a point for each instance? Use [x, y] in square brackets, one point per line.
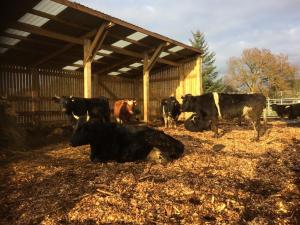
[199, 81]
[182, 87]
[87, 70]
[146, 87]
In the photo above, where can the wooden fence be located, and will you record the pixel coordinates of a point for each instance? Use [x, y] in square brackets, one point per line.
[30, 91]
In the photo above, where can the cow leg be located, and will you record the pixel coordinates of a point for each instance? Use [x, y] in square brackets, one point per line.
[214, 127]
[166, 121]
[256, 127]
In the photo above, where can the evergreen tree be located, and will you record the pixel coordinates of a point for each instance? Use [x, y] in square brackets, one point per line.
[211, 82]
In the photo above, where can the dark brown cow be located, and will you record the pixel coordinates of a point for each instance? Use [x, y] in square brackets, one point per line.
[124, 110]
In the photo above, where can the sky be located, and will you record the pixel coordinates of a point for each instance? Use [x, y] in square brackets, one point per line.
[229, 26]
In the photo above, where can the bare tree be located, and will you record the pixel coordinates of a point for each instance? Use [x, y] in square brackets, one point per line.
[259, 70]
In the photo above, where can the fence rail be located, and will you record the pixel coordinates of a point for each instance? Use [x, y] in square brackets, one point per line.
[280, 101]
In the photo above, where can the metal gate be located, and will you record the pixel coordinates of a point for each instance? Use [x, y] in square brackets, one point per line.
[280, 101]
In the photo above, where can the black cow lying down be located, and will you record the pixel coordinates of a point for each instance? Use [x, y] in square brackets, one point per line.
[196, 123]
[213, 106]
[170, 109]
[281, 110]
[93, 108]
[125, 143]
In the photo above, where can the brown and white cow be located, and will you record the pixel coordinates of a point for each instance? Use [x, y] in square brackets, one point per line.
[124, 110]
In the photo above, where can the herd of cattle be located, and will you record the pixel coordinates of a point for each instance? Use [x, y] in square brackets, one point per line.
[122, 142]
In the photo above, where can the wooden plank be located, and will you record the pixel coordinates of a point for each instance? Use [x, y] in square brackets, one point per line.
[111, 93]
[146, 87]
[87, 70]
[198, 70]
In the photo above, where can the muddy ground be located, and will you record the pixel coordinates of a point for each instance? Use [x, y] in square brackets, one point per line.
[229, 180]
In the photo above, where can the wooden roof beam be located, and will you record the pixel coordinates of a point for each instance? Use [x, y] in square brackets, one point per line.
[114, 66]
[47, 33]
[28, 39]
[155, 56]
[136, 55]
[140, 43]
[59, 20]
[62, 50]
[98, 40]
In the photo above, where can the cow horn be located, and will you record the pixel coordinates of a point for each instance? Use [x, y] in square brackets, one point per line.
[55, 96]
[87, 117]
[76, 117]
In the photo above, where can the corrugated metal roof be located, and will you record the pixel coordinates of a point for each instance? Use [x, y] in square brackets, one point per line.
[8, 40]
[33, 20]
[163, 54]
[70, 68]
[121, 44]
[124, 69]
[98, 57]
[114, 73]
[17, 32]
[105, 51]
[50, 7]
[137, 64]
[176, 49]
[136, 36]
[79, 62]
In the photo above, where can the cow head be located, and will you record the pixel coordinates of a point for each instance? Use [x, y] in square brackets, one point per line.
[188, 103]
[66, 103]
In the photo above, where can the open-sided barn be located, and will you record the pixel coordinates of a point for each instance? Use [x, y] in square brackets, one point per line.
[60, 47]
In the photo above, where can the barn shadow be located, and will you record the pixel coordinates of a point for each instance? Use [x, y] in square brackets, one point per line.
[53, 184]
[275, 172]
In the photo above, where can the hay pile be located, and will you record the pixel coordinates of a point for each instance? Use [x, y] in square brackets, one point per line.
[230, 180]
[11, 136]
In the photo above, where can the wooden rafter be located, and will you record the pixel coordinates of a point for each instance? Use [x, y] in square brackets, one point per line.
[47, 33]
[115, 66]
[98, 37]
[136, 54]
[62, 50]
[28, 39]
[59, 20]
[155, 56]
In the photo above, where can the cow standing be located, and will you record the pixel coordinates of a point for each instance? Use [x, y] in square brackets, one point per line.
[294, 111]
[124, 110]
[93, 108]
[214, 106]
[170, 109]
[281, 110]
[125, 143]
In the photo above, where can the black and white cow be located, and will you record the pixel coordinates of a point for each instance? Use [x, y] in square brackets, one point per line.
[125, 143]
[214, 106]
[281, 110]
[92, 108]
[170, 109]
[294, 111]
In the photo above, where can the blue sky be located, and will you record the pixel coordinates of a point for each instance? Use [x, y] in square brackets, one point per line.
[229, 25]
